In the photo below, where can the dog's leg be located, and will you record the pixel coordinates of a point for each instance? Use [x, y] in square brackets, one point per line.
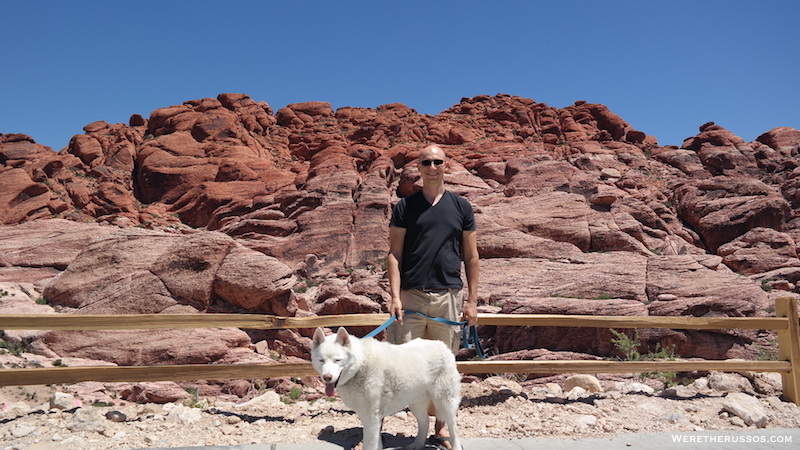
[372, 432]
[420, 412]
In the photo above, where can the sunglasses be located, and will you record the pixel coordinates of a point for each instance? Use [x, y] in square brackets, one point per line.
[428, 162]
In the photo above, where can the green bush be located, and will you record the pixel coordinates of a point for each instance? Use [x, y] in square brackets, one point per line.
[629, 346]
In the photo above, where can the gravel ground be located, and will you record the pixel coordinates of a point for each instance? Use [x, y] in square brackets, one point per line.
[37, 418]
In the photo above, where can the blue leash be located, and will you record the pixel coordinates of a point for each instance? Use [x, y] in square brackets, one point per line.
[468, 337]
[385, 325]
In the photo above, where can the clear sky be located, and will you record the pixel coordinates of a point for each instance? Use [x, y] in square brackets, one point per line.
[666, 67]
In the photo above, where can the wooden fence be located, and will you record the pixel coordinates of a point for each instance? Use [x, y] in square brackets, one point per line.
[785, 322]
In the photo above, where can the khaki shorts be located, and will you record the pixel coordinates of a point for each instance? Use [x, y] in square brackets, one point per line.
[445, 304]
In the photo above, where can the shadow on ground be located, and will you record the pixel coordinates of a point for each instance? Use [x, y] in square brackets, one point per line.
[349, 437]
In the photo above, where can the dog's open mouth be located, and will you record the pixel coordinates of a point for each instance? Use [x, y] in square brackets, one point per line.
[330, 388]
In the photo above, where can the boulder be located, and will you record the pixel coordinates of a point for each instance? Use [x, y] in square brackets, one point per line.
[748, 408]
[234, 282]
[588, 382]
[760, 250]
[149, 272]
[720, 209]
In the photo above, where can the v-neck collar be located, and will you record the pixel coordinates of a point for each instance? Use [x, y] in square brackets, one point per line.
[435, 201]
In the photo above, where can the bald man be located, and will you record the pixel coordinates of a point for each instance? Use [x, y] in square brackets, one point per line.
[430, 233]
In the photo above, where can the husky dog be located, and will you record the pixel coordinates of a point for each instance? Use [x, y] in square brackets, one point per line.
[377, 379]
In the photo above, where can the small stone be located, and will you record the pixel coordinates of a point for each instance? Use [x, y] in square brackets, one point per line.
[62, 400]
[747, 407]
[588, 382]
[116, 416]
[554, 388]
[261, 347]
[737, 421]
[677, 392]
[729, 382]
[184, 415]
[503, 386]
[586, 421]
[86, 420]
[634, 388]
[768, 383]
[576, 393]
[22, 430]
[16, 409]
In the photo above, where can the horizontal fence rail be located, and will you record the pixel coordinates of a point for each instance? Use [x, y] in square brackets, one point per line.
[260, 322]
[60, 375]
[155, 321]
[785, 323]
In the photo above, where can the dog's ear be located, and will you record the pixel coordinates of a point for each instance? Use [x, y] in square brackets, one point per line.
[319, 336]
[342, 336]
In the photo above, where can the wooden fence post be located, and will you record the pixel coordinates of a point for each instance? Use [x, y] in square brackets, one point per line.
[789, 347]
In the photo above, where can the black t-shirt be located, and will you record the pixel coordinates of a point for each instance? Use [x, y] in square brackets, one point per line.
[432, 246]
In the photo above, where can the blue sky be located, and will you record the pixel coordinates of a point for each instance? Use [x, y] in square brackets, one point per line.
[666, 67]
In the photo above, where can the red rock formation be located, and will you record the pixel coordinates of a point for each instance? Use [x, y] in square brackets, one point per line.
[570, 202]
[722, 208]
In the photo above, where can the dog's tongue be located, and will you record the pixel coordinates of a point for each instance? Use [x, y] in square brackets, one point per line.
[330, 389]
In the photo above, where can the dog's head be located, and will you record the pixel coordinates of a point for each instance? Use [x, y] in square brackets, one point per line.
[331, 357]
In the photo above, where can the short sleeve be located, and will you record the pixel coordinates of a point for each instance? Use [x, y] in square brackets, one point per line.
[399, 215]
[468, 222]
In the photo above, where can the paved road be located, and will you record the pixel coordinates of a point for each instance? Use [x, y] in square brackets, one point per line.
[746, 439]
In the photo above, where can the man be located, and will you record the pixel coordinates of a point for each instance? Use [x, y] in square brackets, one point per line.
[430, 233]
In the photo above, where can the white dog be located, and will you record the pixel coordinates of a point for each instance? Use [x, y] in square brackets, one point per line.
[376, 379]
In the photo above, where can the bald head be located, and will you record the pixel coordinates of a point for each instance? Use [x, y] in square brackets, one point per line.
[431, 165]
[432, 152]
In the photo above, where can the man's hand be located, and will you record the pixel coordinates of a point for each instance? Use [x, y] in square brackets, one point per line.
[396, 309]
[470, 312]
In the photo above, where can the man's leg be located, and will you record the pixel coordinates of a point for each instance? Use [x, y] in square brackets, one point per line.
[447, 305]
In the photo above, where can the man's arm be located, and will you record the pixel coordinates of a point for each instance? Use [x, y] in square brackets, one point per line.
[469, 250]
[394, 261]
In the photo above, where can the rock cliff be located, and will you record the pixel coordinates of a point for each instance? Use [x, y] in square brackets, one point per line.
[222, 204]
